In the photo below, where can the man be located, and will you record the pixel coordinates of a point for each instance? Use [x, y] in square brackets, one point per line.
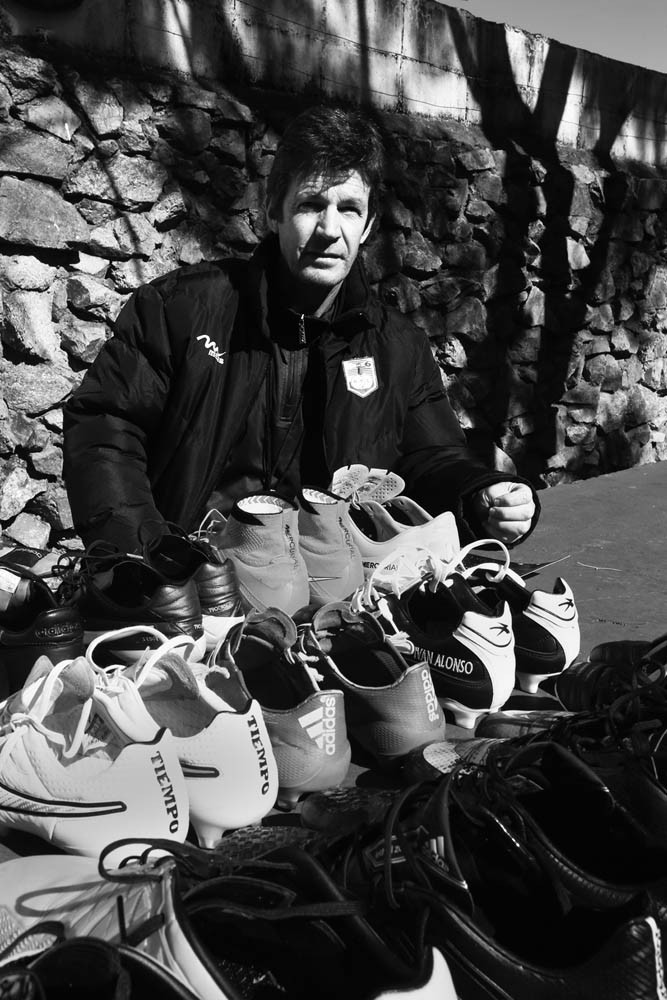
[224, 379]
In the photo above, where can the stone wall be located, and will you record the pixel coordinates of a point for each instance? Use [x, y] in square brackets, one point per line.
[537, 270]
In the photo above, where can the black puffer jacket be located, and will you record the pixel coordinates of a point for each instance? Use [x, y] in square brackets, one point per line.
[149, 431]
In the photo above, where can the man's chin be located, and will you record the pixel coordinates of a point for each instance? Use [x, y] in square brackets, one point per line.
[324, 275]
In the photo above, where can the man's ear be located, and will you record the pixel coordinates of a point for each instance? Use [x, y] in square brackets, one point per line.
[367, 230]
[272, 223]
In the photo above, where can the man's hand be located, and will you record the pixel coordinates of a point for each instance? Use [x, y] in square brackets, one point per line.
[505, 509]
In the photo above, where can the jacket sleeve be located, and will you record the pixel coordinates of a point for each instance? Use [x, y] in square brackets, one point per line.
[108, 422]
[440, 470]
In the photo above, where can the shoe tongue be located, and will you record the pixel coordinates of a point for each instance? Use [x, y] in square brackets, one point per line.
[272, 626]
[336, 623]
[172, 673]
[73, 684]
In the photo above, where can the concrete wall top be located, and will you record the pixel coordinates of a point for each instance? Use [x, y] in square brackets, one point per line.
[412, 56]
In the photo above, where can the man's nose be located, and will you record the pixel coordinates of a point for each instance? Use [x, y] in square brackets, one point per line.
[329, 222]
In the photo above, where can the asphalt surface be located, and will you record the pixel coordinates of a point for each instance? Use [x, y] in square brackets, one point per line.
[607, 537]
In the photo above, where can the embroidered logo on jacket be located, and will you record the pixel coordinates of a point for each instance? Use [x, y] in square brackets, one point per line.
[212, 349]
[360, 376]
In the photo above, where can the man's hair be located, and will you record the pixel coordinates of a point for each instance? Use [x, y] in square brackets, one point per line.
[327, 142]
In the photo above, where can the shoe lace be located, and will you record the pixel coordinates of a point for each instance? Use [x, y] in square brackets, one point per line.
[404, 568]
[181, 644]
[14, 722]
[210, 525]
[74, 569]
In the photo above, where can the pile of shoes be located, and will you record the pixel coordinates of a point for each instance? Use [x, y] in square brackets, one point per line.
[225, 768]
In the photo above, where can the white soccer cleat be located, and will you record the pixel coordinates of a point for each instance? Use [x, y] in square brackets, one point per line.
[82, 763]
[218, 730]
[439, 536]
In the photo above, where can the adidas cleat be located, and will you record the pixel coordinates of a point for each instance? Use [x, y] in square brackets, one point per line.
[219, 732]
[390, 706]
[32, 624]
[306, 723]
[82, 763]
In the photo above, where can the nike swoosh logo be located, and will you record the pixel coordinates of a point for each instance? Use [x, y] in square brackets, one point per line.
[321, 579]
[14, 801]
[199, 771]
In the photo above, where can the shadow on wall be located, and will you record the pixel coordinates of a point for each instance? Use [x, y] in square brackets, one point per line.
[506, 247]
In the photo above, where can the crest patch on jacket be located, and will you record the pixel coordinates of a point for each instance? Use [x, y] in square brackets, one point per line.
[360, 376]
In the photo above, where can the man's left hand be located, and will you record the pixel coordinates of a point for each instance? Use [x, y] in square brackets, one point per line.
[506, 510]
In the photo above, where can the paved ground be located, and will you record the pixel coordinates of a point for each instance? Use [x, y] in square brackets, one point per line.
[609, 535]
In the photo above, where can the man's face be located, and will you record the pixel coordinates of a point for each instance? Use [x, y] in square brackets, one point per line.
[321, 227]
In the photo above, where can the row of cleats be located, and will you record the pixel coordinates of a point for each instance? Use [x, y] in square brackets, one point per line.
[91, 751]
[333, 690]
[474, 621]
[536, 878]
[147, 937]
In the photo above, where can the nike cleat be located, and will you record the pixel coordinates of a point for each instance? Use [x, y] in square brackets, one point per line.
[380, 542]
[325, 540]
[218, 729]
[32, 624]
[390, 706]
[136, 908]
[82, 763]
[306, 722]
[261, 537]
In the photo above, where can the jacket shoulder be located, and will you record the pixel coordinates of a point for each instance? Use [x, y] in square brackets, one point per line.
[207, 279]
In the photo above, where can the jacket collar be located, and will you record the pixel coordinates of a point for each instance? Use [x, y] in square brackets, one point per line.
[355, 307]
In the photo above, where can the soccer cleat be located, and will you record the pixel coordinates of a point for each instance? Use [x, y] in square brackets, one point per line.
[306, 723]
[512, 722]
[136, 909]
[82, 762]
[218, 729]
[325, 540]
[611, 671]
[454, 855]
[340, 811]
[112, 590]
[380, 485]
[435, 617]
[312, 936]
[32, 624]
[440, 536]
[348, 479]
[390, 706]
[85, 967]
[546, 625]
[180, 558]
[261, 537]
[359, 482]
[407, 511]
